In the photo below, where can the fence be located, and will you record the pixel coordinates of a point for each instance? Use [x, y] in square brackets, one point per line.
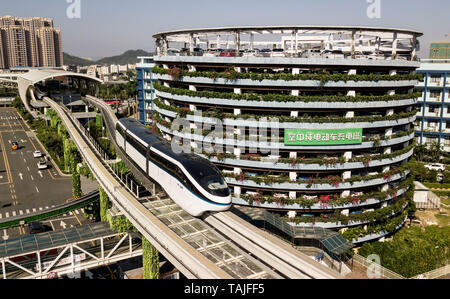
[434, 273]
[381, 271]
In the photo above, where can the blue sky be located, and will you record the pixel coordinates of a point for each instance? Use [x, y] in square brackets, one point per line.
[110, 27]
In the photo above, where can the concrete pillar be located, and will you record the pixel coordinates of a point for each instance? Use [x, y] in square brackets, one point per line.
[237, 40]
[350, 114]
[237, 191]
[293, 176]
[237, 153]
[218, 42]
[348, 156]
[394, 44]
[252, 38]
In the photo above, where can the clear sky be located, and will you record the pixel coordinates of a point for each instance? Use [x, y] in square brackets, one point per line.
[110, 27]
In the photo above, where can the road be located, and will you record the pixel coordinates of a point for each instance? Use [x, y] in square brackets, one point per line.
[23, 187]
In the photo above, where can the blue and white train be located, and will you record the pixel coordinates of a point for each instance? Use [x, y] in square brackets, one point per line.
[193, 182]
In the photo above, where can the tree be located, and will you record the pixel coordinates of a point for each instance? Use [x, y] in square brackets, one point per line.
[420, 152]
[418, 170]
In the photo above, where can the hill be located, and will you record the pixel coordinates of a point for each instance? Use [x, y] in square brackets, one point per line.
[129, 57]
[73, 60]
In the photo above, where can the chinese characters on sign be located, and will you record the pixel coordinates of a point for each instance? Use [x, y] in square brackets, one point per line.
[322, 137]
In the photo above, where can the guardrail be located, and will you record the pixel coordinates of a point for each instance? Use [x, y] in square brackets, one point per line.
[52, 212]
[434, 273]
[380, 270]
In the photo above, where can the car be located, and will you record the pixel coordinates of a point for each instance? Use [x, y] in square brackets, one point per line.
[42, 164]
[37, 154]
[14, 145]
[436, 166]
[229, 53]
[277, 53]
[37, 227]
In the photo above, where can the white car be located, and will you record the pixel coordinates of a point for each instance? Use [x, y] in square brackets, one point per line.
[37, 154]
[42, 165]
[437, 166]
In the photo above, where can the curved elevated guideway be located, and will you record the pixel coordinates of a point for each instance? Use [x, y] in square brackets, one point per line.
[275, 253]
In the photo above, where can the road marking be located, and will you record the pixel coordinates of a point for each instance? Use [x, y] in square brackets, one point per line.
[20, 212]
[14, 213]
[27, 211]
[37, 189]
[40, 173]
[28, 169]
[24, 160]
[63, 224]
[32, 178]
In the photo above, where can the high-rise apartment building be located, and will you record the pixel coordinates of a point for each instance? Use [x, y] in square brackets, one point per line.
[29, 42]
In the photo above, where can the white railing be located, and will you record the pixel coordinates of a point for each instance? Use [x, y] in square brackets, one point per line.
[434, 273]
[381, 271]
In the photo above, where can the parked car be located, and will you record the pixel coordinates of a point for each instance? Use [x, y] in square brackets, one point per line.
[37, 228]
[229, 53]
[37, 154]
[42, 164]
[14, 145]
[436, 166]
[277, 53]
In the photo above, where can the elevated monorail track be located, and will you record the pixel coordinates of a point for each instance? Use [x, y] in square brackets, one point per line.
[277, 255]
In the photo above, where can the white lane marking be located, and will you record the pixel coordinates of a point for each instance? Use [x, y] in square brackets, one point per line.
[40, 173]
[37, 189]
[21, 176]
[32, 178]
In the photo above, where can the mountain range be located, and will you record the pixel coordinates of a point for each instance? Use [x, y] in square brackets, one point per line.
[129, 57]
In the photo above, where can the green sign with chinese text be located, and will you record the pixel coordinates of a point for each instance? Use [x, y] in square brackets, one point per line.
[322, 137]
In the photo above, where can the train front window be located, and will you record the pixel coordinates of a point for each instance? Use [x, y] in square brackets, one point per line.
[208, 177]
[215, 183]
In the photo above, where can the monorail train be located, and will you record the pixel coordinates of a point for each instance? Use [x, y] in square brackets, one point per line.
[193, 182]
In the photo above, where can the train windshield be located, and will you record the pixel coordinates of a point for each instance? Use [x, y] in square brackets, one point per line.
[215, 185]
[208, 176]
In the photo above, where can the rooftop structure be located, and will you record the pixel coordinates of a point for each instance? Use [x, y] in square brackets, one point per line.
[296, 41]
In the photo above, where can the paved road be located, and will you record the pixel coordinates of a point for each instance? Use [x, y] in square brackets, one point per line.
[23, 187]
